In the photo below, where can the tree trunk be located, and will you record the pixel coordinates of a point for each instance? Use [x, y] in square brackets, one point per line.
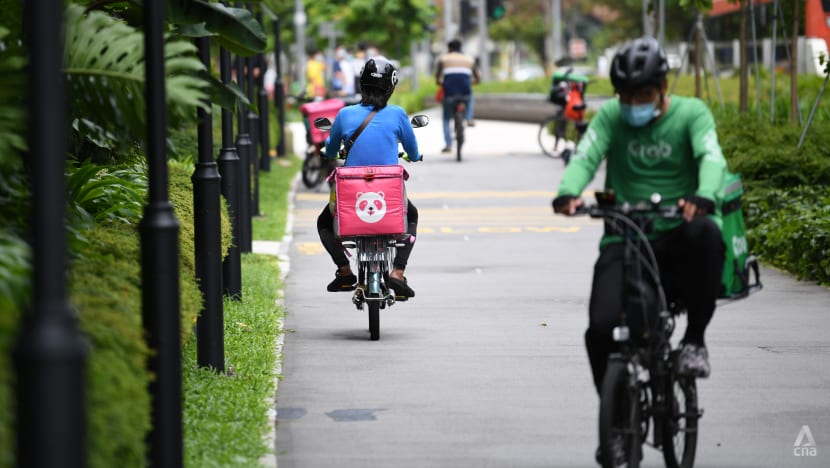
[698, 54]
[794, 68]
[743, 98]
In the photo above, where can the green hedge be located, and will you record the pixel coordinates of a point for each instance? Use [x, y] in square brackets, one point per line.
[787, 190]
[105, 289]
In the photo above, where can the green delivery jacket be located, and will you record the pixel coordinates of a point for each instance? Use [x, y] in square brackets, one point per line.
[676, 156]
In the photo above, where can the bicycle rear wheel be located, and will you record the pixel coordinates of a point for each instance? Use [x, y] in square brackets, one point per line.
[459, 130]
[312, 170]
[619, 418]
[374, 319]
[680, 423]
[551, 134]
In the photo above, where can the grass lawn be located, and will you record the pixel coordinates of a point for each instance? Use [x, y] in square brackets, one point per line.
[226, 415]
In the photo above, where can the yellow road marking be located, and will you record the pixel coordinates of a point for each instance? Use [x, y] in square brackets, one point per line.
[310, 248]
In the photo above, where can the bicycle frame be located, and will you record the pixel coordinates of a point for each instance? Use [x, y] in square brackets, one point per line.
[648, 357]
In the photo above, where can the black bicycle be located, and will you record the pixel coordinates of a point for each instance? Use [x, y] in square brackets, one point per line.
[642, 390]
[459, 106]
[568, 92]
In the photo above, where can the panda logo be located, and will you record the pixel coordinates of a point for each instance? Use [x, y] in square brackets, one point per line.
[370, 206]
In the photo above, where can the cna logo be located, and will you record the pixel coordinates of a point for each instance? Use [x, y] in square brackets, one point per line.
[805, 443]
[654, 151]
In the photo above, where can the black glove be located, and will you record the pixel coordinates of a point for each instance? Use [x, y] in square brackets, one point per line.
[562, 201]
[703, 204]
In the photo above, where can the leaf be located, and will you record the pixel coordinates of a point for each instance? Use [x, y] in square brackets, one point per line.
[235, 29]
[104, 63]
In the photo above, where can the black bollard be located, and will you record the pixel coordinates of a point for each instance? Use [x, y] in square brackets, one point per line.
[244, 150]
[159, 232]
[253, 131]
[264, 131]
[279, 93]
[50, 353]
[210, 345]
[229, 168]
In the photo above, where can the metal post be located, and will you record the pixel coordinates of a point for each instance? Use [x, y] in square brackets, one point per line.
[50, 353]
[264, 130]
[210, 341]
[755, 59]
[279, 93]
[230, 185]
[556, 19]
[243, 149]
[772, 62]
[483, 35]
[159, 231]
[253, 131]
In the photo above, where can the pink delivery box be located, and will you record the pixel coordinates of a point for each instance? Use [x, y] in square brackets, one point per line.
[314, 110]
[370, 200]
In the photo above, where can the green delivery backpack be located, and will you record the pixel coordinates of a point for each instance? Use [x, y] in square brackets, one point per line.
[735, 282]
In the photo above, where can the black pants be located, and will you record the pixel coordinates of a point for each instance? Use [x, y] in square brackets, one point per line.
[690, 258]
[325, 228]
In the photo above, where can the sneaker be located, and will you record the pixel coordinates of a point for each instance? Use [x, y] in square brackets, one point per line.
[471, 123]
[342, 283]
[446, 149]
[693, 360]
[401, 287]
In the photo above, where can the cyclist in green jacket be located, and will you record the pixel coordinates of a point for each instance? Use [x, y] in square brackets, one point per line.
[653, 142]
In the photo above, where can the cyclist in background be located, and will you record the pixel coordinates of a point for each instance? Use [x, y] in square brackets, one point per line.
[653, 142]
[377, 145]
[457, 73]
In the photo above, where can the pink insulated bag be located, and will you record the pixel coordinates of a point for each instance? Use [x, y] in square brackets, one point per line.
[370, 200]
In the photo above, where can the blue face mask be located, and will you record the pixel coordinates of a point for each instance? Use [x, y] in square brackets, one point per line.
[639, 115]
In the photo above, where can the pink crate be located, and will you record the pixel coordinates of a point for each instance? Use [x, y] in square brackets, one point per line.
[370, 200]
[314, 110]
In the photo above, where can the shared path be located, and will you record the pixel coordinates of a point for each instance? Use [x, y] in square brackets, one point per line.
[486, 366]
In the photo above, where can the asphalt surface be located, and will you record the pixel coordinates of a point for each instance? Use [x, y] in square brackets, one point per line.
[486, 367]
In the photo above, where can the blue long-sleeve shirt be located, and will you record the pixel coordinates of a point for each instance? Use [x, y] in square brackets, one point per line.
[377, 144]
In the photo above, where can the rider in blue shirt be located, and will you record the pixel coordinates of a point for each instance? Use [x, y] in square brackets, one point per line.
[377, 145]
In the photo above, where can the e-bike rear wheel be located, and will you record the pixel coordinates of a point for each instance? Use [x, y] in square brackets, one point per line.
[680, 422]
[551, 134]
[374, 319]
[312, 171]
[619, 418]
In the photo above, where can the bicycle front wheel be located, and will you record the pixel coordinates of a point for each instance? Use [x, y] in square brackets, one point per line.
[551, 134]
[619, 418]
[680, 423]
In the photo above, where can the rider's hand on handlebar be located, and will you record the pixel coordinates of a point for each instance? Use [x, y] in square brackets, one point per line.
[694, 205]
[566, 204]
[407, 158]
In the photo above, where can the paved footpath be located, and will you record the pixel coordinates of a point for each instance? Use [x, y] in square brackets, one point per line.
[486, 366]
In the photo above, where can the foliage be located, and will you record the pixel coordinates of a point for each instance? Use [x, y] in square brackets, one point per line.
[12, 92]
[391, 26]
[225, 416]
[99, 194]
[790, 228]
[104, 64]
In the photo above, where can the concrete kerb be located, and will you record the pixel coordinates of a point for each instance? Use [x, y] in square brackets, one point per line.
[281, 250]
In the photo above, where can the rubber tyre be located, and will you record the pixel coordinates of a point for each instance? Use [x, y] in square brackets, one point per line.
[459, 132]
[680, 424]
[312, 170]
[551, 130]
[619, 414]
[374, 320]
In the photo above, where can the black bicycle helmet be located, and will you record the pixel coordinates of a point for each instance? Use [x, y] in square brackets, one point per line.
[378, 72]
[639, 63]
